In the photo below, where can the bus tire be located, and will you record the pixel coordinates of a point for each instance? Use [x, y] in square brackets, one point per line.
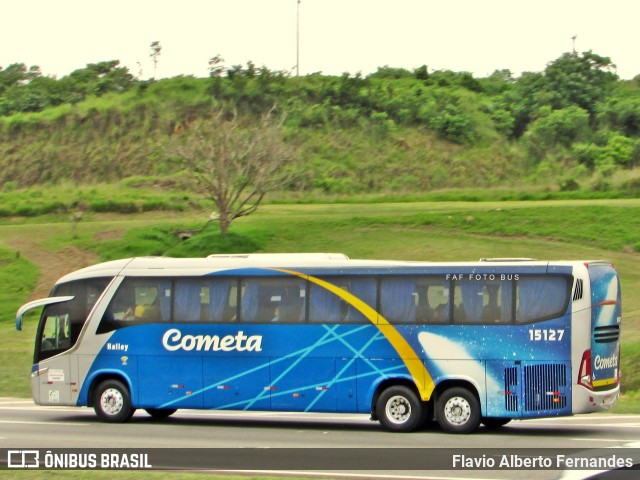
[112, 402]
[161, 413]
[458, 410]
[399, 409]
[495, 422]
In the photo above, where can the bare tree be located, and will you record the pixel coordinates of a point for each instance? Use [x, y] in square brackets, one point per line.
[216, 66]
[156, 48]
[235, 162]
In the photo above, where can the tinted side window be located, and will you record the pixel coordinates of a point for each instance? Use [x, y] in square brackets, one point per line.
[483, 301]
[413, 299]
[327, 307]
[205, 300]
[490, 299]
[433, 300]
[277, 299]
[541, 297]
[398, 299]
[138, 300]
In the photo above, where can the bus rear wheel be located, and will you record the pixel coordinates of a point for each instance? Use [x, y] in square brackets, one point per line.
[458, 410]
[160, 413]
[112, 402]
[399, 409]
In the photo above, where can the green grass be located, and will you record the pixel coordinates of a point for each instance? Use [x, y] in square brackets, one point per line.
[17, 279]
[449, 231]
[134, 195]
[168, 193]
[628, 402]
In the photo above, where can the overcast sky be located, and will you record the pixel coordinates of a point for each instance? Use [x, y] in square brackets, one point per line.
[336, 36]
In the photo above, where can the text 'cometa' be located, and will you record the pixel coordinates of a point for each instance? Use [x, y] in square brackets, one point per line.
[173, 340]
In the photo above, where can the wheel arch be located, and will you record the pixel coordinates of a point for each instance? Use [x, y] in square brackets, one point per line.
[386, 383]
[462, 383]
[108, 375]
[457, 407]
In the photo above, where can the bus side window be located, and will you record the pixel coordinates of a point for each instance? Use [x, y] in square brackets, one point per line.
[366, 290]
[469, 301]
[188, 300]
[540, 297]
[482, 301]
[138, 300]
[328, 306]
[498, 304]
[324, 305]
[206, 300]
[293, 300]
[152, 302]
[398, 299]
[222, 304]
[432, 305]
[278, 299]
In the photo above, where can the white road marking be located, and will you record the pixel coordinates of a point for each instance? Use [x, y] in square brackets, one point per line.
[607, 425]
[23, 422]
[333, 474]
[614, 440]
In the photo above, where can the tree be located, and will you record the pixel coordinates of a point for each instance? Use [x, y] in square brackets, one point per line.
[97, 79]
[16, 75]
[582, 81]
[156, 48]
[235, 162]
[216, 66]
[556, 130]
[621, 113]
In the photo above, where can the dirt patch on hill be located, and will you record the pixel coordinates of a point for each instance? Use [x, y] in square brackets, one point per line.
[108, 235]
[52, 264]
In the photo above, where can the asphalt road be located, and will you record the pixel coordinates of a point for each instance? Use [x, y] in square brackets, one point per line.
[25, 425]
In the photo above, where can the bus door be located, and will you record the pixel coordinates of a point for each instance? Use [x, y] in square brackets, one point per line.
[606, 317]
[51, 378]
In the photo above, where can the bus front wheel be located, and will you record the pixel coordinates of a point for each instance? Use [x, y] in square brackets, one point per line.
[399, 409]
[112, 402]
[458, 410]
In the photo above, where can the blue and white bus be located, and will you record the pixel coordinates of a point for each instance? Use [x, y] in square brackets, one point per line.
[407, 342]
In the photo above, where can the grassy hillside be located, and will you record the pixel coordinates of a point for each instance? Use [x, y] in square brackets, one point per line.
[425, 231]
[573, 127]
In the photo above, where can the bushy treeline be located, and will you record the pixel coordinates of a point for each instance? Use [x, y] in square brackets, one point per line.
[25, 89]
[396, 128]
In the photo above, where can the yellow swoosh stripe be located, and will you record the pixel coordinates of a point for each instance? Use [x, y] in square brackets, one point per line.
[416, 367]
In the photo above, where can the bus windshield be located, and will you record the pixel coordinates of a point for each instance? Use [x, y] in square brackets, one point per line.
[61, 323]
